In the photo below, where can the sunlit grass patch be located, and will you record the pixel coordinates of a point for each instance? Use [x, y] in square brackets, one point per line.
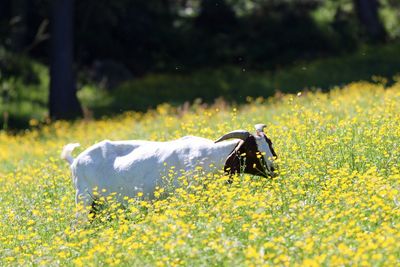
[336, 200]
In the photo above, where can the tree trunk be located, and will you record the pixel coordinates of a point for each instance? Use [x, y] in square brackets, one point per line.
[63, 103]
[367, 12]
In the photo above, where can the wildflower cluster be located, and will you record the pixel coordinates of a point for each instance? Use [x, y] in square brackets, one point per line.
[336, 200]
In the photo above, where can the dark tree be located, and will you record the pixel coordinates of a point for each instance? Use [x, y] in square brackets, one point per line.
[216, 16]
[63, 103]
[19, 10]
[367, 12]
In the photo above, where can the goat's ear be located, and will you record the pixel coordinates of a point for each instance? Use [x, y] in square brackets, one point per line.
[232, 162]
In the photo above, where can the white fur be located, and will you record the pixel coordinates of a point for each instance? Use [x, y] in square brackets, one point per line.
[67, 150]
[129, 167]
[264, 147]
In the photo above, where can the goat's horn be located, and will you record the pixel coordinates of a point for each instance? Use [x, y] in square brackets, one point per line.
[260, 127]
[240, 134]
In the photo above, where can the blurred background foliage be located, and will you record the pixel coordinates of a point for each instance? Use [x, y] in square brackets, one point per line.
[134, 55]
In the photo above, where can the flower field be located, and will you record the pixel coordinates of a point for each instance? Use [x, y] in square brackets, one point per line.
[336, 201]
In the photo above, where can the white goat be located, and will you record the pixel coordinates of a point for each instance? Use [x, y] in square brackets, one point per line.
[129, 167]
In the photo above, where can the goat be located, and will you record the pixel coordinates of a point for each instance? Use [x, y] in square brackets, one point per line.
[129, 167]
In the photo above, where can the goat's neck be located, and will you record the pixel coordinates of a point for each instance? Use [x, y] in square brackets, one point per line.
[223, 149]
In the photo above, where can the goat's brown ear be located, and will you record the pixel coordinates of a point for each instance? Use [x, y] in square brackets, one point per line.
[232, 162]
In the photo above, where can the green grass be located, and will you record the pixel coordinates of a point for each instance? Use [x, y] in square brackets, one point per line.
[335, 202]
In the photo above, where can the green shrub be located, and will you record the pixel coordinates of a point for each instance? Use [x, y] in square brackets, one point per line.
[329, 72]
[23, 91]
[234, 84]
[231, 84]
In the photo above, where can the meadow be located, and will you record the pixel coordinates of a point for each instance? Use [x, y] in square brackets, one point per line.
[336, 201]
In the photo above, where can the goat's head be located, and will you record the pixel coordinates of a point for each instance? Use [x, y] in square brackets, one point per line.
[253, 154]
